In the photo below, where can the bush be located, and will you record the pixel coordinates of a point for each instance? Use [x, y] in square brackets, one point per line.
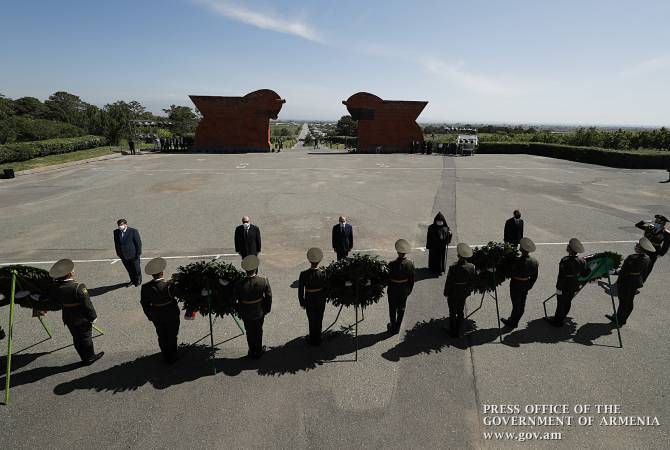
[21, 129]
[22, 151]
[634, 159]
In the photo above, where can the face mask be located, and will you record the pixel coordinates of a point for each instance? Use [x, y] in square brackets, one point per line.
[123, 227]
[657, 226]
[439, 223]
[246, 225]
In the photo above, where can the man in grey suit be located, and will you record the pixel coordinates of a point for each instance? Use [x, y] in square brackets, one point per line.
[128, 247]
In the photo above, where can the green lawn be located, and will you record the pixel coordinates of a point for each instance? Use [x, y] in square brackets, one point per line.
[60, 159]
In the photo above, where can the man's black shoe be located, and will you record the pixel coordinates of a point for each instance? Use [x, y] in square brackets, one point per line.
[93, 358]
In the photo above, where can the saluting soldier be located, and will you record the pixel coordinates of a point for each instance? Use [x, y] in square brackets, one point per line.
[458, 287]
[524, 276]
[312, 294]
[161, 308]
[253, 301]
[78, 312]
[401, 283]
[631, 279]
[659, 236]
[570, 269]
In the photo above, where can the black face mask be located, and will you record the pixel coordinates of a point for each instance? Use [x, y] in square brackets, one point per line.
[517, 217]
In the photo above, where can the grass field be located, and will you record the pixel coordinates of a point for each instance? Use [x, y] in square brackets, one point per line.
[62, 158]
[276, 127]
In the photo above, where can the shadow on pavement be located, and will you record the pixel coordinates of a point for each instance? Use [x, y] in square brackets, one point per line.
[293, 357]
[589, 332]
[36, 374]
[539, 330]
[94, 292]
[424, 273]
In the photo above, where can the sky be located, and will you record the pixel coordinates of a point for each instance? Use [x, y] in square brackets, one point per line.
[567, 62]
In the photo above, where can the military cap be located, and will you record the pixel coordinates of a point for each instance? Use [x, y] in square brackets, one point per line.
[647, 245]
[402, 246]
[661, 218]
[314, 255]
[527, 245]
[61, 268]
[250, 263]
[155, 266]
[464, 250]
[576, 245]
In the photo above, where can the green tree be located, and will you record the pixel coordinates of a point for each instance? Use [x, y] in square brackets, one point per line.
[30, 106]
[346, 126]
[66, 107]
[183, 119]
[116, 123]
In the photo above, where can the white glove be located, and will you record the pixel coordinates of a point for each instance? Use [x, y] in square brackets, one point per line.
[204, 292]
[559, 292]
[21, 294]
[223, 282]
[95, 320]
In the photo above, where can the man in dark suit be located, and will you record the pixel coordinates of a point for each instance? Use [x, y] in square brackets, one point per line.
[514, 229]
[247, 238]
[129, 248]
[343, 238]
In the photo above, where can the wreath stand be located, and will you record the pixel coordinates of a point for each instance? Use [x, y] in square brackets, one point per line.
[211, 332]
[609, 288]
[355, 324]
[10, 333]
[494, 296]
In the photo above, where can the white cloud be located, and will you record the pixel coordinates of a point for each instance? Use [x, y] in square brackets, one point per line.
[481, 84]
[646, 67]
[266, 21]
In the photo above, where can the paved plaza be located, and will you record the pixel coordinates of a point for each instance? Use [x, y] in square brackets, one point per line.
[418, 389]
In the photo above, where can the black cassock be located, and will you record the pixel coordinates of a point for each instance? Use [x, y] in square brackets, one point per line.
[436, 242]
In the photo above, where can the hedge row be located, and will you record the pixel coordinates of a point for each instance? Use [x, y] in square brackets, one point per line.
[591, 155]
[22, 151]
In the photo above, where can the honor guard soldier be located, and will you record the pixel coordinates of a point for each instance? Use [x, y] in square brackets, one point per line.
[631, 279]
[401, 283]
[312, 294]
[524, 276]
[458, 287]
[253, 301]
[570, 269]
[161, 308]
[78, 312]
[659, 236]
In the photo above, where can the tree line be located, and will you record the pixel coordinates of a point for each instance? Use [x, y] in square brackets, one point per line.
[66, 115]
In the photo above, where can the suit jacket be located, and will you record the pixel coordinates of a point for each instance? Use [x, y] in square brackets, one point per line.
[249, 243]
[513, 232]
[130, 246]
[343, 242]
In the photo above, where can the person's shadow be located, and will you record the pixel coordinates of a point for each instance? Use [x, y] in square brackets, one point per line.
[296, 356]
[33, 375]
[589, 332]
[431, 337]
[539, 330]
[131, 375]
[100, 290]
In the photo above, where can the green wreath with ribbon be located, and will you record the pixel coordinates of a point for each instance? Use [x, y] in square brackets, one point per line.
[358, 280]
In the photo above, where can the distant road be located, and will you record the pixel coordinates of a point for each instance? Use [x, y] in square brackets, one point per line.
[303, 133]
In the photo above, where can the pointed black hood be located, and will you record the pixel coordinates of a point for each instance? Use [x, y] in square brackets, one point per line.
[439, 216]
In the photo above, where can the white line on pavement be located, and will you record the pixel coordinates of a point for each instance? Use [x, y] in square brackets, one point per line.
[221, 255]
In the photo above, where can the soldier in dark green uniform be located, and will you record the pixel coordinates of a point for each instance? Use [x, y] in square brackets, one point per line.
[401, 283]
[312, 294]
[567, 285]
[253, 299]
[161, 308]
[524, 276]
[659, 236]
[630, 280]
[78, 312]
[458, 287]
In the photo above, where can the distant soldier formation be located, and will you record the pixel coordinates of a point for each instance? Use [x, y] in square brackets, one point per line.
[253, 295]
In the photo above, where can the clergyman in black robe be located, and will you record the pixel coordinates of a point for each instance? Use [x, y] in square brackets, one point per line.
[439, 236]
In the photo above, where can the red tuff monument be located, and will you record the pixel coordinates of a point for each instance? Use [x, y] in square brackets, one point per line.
[236, 124]
[389, 124]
